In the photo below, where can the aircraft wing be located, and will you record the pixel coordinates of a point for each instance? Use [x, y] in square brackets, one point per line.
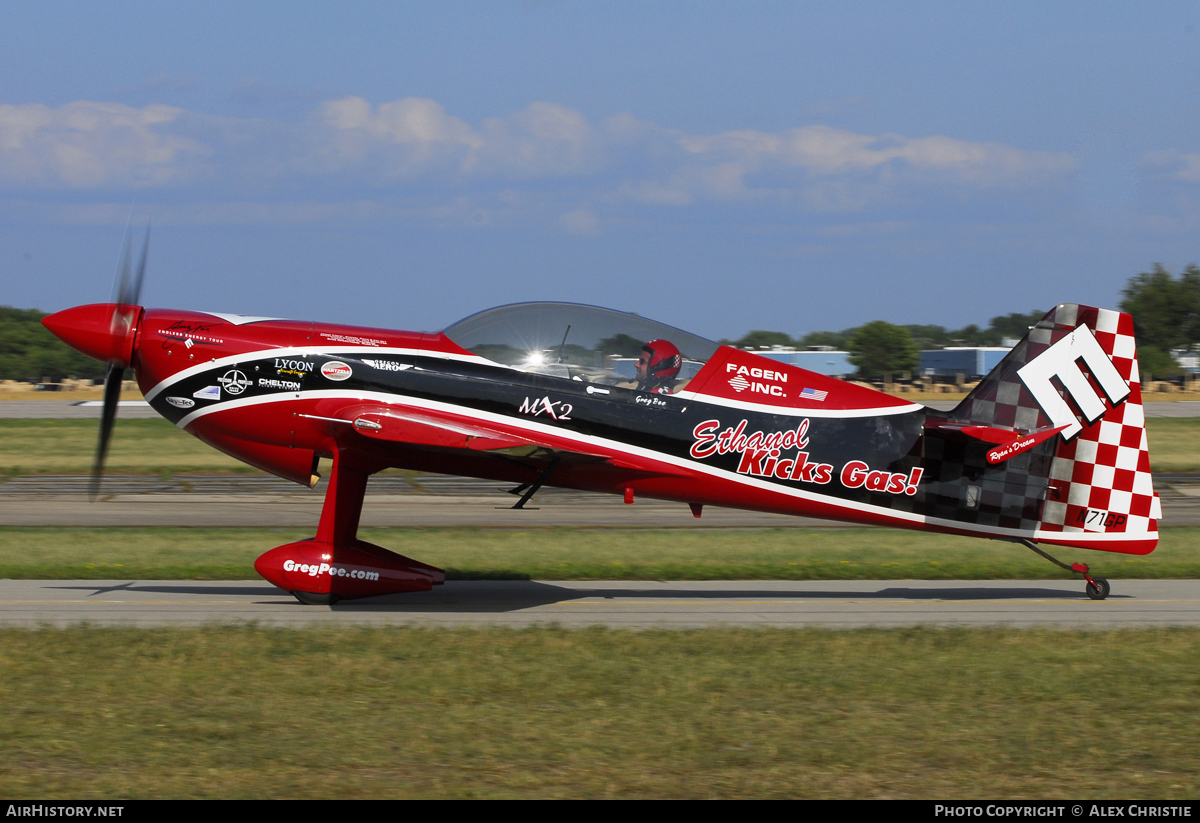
[421, 429]
[429, 429]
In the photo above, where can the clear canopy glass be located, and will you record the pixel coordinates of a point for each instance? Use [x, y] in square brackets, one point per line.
[572, 340]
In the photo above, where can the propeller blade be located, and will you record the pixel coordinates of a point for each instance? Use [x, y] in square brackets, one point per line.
[108, 416]
[120, 282]
[127, 291]
[131, 292]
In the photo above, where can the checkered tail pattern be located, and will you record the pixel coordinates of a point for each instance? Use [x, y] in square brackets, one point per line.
[1090, 484]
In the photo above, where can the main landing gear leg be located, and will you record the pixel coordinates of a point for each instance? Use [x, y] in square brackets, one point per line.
[1097, 587]
[335, 565]
[528, 490]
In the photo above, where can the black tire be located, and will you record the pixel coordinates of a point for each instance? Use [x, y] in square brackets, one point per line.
[1098, 589]
[310, 599]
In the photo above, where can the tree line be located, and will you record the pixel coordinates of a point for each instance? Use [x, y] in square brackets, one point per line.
[1165, 309]
[1166, 317]
[29, 352]
[884, 349]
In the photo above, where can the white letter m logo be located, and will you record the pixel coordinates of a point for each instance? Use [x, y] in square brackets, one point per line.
[1061, 361]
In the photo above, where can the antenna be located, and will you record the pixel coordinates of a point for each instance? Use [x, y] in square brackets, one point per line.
[563, 344]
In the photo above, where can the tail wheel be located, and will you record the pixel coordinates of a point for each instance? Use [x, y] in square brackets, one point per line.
[1098, 588]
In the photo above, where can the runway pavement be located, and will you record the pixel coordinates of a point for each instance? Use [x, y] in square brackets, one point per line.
[72, 409]
[630, 605]
[303, 510]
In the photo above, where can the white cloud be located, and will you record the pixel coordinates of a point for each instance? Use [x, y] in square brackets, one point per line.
[413, 121]
[89, 145]
[414, 136]
[397, 139]
[550, 153]
[824, 151]
[543, 139]
[1175, 165]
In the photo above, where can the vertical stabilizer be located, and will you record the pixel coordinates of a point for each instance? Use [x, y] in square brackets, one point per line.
[1076, 374]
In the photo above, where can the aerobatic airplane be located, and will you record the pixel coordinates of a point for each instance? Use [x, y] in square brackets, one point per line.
[1048, 450]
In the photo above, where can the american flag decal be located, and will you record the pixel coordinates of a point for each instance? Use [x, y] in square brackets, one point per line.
[813, 394]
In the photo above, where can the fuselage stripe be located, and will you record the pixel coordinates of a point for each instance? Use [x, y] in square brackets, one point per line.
[763, 408]
[619, 448]
[318, 351]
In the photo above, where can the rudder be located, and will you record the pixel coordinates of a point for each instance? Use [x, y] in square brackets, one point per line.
[1076, 372]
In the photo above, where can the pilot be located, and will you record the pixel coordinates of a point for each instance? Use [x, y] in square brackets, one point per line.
[658, 367]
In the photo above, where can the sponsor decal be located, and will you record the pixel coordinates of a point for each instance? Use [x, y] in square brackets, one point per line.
[554, 408]
[770, 454]
[314, 569]
[295, 368]
[234, 382]
[181, 402]
[1001, 453]
[764, 454]
[189, 334]
[357, 341]
[293, 365]
[857, 474]
[757, 373]
[387, 365]
[208, 393]
[1062, 361]
[284, 385]
[735, 439]
[334, 370]
[813, 394]
[757, 380]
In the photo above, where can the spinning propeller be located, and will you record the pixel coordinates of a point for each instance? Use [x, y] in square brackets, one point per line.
[107, 331]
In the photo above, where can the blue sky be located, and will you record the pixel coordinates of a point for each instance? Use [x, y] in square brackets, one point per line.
[720, 167]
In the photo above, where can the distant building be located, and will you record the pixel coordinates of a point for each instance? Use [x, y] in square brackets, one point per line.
[969, 362]
[820, 359]
[1188, 360]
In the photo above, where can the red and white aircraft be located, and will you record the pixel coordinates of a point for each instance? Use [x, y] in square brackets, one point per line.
[1049, 449]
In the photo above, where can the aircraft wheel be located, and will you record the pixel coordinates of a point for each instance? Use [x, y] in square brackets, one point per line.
[1099, 590]
[310, 599]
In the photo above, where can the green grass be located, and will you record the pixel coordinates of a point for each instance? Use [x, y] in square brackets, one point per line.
[138, 447]
[1174, 443]
[400, 713]
[157, 447]
[580, 554]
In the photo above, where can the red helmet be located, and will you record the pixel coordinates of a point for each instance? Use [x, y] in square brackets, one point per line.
[665, 360]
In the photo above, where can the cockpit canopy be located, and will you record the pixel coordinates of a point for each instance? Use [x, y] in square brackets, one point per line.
[572, 340]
